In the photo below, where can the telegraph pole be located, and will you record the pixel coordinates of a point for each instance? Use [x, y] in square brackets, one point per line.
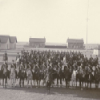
[87, 24]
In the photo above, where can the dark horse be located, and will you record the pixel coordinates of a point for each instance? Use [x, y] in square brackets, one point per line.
[4, 74]
[49, 79]
[60, 76]
[67, 75]
[97, 77]
[22, 76]
[81, 77]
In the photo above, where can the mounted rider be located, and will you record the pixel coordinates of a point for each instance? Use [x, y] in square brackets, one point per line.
[5, 57]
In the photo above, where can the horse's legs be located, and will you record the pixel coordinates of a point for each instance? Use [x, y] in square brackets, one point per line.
[90, 84]
[31, 83]
[96, 84]
[34, 81]
[80, 83]
[39, 82]
[20, 82]
[72, 83]
[57, 81]
[13, 82]
[27, 83]
[66, 82]
[23, 82]
[3, 82]
[76, 82]
[60, 81]
[48, 86]
[43, 82]
[85, 83]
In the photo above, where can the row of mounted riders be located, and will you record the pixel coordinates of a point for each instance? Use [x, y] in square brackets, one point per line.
[87, 75]
[78, 68]
[54, 57]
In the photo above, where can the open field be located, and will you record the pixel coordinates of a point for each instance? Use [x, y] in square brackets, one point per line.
[42, 94]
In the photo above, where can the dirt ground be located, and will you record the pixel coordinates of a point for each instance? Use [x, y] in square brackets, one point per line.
[42, 94]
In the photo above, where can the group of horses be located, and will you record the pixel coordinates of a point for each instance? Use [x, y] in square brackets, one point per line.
[49, 66]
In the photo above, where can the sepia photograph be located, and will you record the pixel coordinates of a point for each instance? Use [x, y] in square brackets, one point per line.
[49, 50]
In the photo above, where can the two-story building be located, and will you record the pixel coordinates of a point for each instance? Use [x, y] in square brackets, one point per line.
[75, 43]
[37, 42]
[7, 42]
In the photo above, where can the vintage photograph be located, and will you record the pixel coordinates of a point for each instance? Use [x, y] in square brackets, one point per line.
[49, 50]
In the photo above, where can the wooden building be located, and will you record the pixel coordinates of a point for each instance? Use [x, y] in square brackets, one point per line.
[75, 43]
[37, 42]
[13, 41]
[7, 42]
[56, 45]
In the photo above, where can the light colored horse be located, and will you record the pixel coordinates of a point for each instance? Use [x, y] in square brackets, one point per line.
[29, 77]
[13, 75]
[17, 73]
[73, 77]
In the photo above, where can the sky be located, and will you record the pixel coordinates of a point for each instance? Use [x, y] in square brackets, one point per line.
[56, 20]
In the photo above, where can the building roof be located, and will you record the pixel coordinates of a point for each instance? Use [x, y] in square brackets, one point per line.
[75, 41]
[4, 38]
[12, 39]
[36, 39]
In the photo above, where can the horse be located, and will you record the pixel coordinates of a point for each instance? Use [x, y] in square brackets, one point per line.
[4, 74]
[17, 72]
[22, 76]
[37, 74]
[73, 77]
[0, 74]
[33, 75]
[97, 77]
[13, 75]
[29, 76]
[60, 76]
[81, 77]
[67, 75]
[49, 79]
